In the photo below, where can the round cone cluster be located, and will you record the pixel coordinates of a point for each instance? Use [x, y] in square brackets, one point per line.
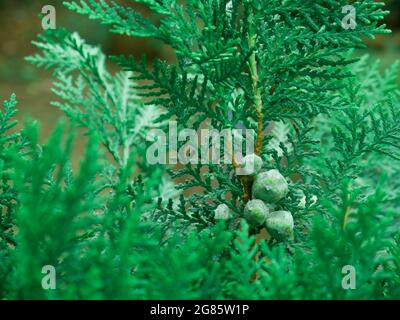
[268, 188]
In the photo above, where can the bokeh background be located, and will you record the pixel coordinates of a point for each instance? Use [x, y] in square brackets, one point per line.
[20, 24]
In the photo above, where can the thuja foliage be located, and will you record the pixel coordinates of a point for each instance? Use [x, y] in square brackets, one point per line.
[325, 121]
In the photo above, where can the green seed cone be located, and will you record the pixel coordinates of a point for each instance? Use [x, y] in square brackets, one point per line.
[222, 212]
[256, 212]
[280, 225]
[270, 186]
[250, 165]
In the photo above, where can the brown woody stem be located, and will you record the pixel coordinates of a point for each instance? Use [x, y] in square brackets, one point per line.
[256, 92]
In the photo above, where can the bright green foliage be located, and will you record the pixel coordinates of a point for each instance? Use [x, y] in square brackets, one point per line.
[7, 142]
[118, 228]
[220, 46]
[12, 144]
[99, 101]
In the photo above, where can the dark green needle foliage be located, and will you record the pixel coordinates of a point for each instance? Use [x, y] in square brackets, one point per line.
[118, 227]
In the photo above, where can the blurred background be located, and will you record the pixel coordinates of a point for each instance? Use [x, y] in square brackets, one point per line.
[20, 24]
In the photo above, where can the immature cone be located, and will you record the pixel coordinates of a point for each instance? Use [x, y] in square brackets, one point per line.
[250, 165]
[222, 212]
[256, 212]
[280, 225]
[270, 186]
